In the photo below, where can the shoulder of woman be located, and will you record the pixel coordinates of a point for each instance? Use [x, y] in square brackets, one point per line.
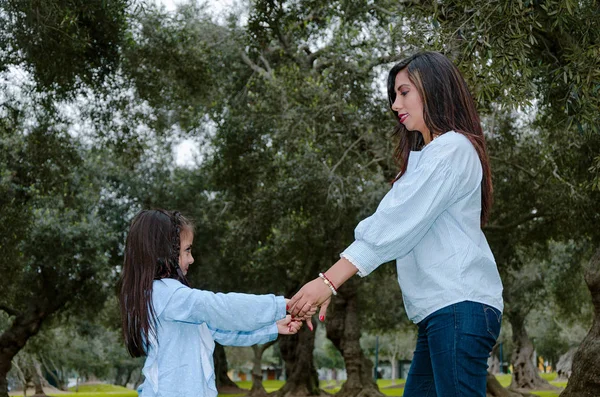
[451, 147]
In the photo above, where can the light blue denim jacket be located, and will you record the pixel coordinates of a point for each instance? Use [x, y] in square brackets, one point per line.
[429, 222]
[180, 359]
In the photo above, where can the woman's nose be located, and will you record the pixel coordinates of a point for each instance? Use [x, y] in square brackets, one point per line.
[396, 106]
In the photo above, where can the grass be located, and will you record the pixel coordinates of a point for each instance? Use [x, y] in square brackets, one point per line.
[269, 385]
[95, 390]
[384, 386]
[104, 390]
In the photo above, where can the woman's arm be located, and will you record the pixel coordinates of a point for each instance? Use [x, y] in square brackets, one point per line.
[316, 292]
[400, 222]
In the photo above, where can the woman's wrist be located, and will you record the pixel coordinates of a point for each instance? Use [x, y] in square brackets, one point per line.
[340, 272]
[328, 283]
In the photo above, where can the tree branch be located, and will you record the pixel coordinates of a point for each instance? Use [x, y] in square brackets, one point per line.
[264, 61]
[385, 59]
[517, 166]
[265, 346]
[255, 67]
[9, 311]
[345, 154]
[516, 223]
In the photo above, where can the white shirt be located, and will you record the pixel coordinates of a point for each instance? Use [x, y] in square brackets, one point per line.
[429, 222]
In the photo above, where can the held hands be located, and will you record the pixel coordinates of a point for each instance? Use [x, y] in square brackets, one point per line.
[317, 293]
[287, 326]
[307, 317]
[306, 301]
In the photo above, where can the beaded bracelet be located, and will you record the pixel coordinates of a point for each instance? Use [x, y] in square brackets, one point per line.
[328, 283]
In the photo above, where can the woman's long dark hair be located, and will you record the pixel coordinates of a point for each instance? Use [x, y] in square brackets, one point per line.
[151, 253]
[447, 106]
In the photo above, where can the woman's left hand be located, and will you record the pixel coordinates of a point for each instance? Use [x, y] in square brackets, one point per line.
[312, 295]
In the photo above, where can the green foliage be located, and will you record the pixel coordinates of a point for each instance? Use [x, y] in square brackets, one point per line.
[527, 51]
[169, 60]
[65, 44]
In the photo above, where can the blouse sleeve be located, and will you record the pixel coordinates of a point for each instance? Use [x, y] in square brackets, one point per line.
[404, 216]
[235, 338]
[233, 311]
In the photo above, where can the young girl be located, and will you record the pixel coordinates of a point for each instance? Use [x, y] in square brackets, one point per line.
[176, 326]
[430, 223]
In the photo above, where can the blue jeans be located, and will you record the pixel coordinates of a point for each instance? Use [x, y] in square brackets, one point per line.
[453, 346]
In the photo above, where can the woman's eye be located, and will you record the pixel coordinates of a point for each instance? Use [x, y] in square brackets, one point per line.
[403, 93]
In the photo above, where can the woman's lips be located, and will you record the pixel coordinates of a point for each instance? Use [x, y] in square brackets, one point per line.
[403, 117]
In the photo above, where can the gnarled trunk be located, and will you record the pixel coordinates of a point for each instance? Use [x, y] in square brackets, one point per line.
[258, 389]
[585, 376]
[297, 352]
[23, 327]
[494, 364]
[525, 372]
[343, 329]
[565, 364]
[495, 389]
[224, 384]
[38, 379]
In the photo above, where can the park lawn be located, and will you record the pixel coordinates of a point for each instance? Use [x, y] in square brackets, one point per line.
[100, 390]
[95, 390]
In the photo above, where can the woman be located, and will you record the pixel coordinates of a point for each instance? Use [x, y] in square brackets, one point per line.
[430, 223]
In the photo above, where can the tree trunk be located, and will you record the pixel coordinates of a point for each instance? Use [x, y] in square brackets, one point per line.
[258, 389]
[38, 379]
[343, 329]
[494, 363]
[55, 373]
[24, 326]
[565, 364]
[525, 372]
[297, 352]
[394, 369]
[495, 389]
[585, 376]
[224, 384]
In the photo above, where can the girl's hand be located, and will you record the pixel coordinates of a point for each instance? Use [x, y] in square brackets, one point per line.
[287, 326]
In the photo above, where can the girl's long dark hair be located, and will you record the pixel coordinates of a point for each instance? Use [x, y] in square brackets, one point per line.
[151, 253]
[447, 106]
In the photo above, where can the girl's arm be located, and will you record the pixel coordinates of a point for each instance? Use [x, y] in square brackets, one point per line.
[262, 335]
[232, 312]
[243, 338]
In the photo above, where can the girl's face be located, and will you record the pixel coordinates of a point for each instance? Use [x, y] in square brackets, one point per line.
[186, 238]
[409, 105]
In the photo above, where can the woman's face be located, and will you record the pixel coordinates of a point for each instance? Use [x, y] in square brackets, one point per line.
[186, 238]
[409, 105]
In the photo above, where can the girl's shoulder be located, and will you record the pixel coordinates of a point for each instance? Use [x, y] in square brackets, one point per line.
[162, 292]
[167, 284]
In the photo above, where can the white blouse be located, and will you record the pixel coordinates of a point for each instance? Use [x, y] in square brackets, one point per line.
[429, 222]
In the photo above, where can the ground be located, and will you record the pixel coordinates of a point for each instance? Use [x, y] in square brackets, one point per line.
[103, 390]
